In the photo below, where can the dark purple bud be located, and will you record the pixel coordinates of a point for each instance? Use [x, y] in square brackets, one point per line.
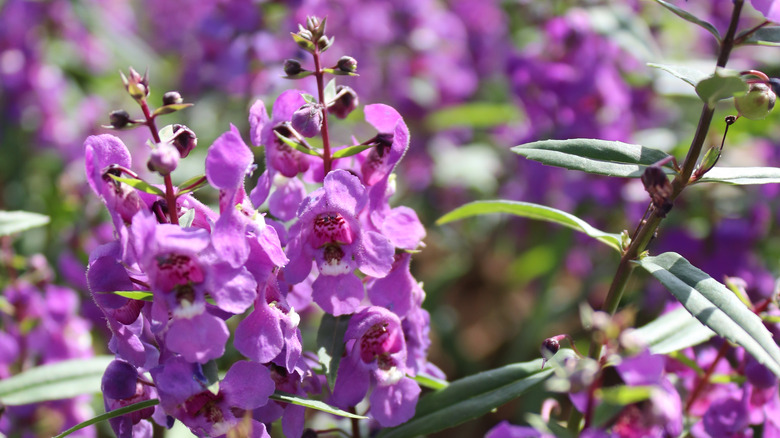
[119, 119]
[660, 189]
[347, 64]
[164, 159]
[160, 210]
[184, 140]
[346, 101]
[172, 98]
[550, 346]
[119, 380]
[307, 120]
[292, 67]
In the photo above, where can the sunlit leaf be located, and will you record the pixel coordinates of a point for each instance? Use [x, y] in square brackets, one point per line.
[532, 211]
[138, 185]
[111, 414]
[687, 74]
[766, 36]
[55, 381]
[295, 145]
[612, 158]
[743, 175]
[351, 150]
[715, 306]
[673, 331]
[15, 221]
[431, 382]
[724, 84]
[687, 16]
[172, 108]
[133, 294]
[313, 404]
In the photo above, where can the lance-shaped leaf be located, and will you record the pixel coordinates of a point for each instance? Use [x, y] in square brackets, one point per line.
[612, 158]
[55, 381]
[673, 331]
[723, 84]
[313, 404]
[743, 175]
[172, 108]
[109, 415]
[472, 397]
[766, 36]
[532, 211]
[351, 150]
[295, 145]
[687, 16]
[330, 343]
[715, 306]
[15, 221]
[133, 294]
[138, 184]
[687, 74]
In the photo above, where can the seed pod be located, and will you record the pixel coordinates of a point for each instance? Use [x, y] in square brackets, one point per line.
[757, 102]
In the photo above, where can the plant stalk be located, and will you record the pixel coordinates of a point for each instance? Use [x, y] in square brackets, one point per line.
[319, 74]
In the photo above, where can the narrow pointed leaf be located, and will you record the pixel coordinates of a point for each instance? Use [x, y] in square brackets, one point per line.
[430, 382]
[766, 36]
[329, 93]
[330, 342]
[313, 404]
[715, 306]
[133, 294]
[532, 211]
[612, 158]
[111, 414]
[687, 16]
[15, 221]
[172, 108]
[472, 397]
[295, 145]
[55, 381]
[139, 185]
[673, 331]
[351, 150]
[687, 74]
[742, 175]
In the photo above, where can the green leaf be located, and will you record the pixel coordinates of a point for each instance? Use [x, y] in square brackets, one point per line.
[474, 115]
[111, 414]
[673, 331]
[611, 158]
[715, 306]
[313, 404]
[55, 381]
[532, 211]
[330, 344]
[687, 16]
[15, 221]
[139, 184]
[431, 382]
[614, 398]
[329, 93]
[724, 84]
[172, 108]
[766, 36]
[303, 42]
[351, 150]
[295, 145]
[134, 294]
[308, 98]
[337, 72]
[192, 184]
[471, 397]
[548, 428]
[687, 74]
[742, 175]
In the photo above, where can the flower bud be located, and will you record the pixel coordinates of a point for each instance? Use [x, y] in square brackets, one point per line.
[164, 159]
[347, 64]
[550, 346]
[346, 101]
[292, 67]
[172, 98]
[184, 139]
[757, 102]
[307, 120]
[136, 85]
[324, 43]
[119, 119]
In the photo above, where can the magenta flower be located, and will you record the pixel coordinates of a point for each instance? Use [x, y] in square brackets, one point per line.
[770, 9]
[376, 357]
[279, 156]
[329, 232]
[121, 386]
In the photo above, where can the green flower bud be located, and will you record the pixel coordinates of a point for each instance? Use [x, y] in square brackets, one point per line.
[757, 102]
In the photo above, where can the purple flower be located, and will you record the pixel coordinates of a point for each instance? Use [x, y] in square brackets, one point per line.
[121, 386]
[279, 156]
[329, 232]
[376, 357]
[184, 394]
[506, 430]
[770, 9]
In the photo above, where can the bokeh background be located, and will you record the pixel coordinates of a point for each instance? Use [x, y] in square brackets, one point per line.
[472, 78]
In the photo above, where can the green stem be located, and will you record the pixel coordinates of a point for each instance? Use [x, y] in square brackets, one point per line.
[647, 229]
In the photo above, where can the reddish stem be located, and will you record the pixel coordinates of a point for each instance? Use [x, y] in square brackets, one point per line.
[170, 196]
[319, 74]
[702, 383]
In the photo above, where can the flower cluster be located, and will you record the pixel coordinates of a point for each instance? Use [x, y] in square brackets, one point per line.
[341, 246]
